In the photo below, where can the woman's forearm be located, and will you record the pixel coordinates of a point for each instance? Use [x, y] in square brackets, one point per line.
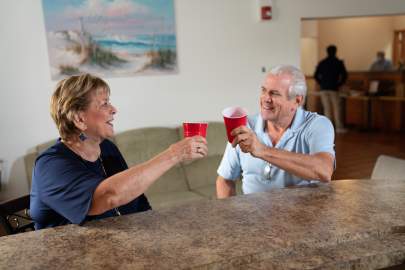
[127, 185]
[123, 187]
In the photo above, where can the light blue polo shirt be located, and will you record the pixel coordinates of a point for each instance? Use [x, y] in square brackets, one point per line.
[309, 133]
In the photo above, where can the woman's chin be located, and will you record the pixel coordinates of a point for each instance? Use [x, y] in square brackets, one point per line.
[105, 136]
[110, 135]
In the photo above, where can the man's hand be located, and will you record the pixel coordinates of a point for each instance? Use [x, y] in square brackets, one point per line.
[247, 140]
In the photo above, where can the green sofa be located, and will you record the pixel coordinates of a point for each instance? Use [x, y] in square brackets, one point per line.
[187, 182]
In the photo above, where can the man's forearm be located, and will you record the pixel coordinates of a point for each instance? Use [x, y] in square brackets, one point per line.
[314, 167]
[225, 188]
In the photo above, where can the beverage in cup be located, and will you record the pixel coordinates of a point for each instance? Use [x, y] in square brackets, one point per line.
[191, 129]
[234, 117]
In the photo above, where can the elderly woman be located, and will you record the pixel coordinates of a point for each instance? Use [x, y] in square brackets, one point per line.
[83, 176]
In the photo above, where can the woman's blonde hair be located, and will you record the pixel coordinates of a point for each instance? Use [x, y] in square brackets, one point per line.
[71, 96]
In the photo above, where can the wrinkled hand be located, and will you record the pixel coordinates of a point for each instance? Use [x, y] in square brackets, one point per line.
[190, 148]
[247, 140]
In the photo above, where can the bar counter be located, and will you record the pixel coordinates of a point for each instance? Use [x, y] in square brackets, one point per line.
[349, 224]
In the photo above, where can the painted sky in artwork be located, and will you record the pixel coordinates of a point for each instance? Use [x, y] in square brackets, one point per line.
[110, 37]
[118, 16]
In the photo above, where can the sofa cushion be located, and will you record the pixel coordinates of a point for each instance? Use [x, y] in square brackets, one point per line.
[29, 160]
[140, 145]
[216, 138]
[210, 191]
[42, 147]
[202, 172]
[169, 199]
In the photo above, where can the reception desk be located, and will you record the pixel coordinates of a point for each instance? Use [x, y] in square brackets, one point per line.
[349, 224]
[379, 113]
[382, 109]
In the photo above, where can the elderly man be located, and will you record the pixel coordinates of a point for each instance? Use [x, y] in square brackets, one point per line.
[283, 145]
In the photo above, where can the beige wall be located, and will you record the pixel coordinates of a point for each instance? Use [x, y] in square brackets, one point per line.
[309, 55]
[357, 39]
[310, 28]
[399, 22]
[309, 46]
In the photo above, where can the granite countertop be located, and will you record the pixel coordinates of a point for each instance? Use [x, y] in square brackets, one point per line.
[349, 224]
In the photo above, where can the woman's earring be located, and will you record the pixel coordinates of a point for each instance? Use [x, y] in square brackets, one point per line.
[82, 136]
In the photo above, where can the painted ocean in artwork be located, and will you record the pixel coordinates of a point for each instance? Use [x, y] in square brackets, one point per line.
[110, 38]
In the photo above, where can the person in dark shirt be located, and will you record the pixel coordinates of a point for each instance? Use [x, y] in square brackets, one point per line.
[83, 176]
[331, 74]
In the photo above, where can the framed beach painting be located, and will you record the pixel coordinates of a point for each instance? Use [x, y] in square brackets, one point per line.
[110, 38]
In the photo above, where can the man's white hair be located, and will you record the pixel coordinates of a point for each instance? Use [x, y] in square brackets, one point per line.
[298, 86]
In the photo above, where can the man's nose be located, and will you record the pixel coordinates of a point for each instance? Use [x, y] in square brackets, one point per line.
[268, 98]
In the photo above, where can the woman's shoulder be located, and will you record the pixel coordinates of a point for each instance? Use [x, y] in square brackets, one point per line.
[108, 146]
[57, 151]
[56, 162]
[57, 148]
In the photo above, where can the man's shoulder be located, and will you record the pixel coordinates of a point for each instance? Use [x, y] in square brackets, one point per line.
[313, 120]
[332, 60]
[324, 61]
[342, 64]
[388, 63]
[327, 62]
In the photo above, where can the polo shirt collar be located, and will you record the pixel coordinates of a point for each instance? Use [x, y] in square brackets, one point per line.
[298, 120]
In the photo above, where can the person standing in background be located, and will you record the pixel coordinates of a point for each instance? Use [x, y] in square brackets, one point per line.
[331, 74]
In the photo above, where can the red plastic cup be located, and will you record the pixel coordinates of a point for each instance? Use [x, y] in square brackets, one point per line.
[234, 117]
[194, 129]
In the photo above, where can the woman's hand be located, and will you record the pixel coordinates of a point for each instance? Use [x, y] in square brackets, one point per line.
[189, 148]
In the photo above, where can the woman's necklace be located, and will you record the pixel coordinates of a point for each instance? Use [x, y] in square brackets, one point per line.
[105, 173]
[71, 147]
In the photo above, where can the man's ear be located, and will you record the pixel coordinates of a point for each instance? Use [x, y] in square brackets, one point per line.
[299, 100]
[78, 120]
